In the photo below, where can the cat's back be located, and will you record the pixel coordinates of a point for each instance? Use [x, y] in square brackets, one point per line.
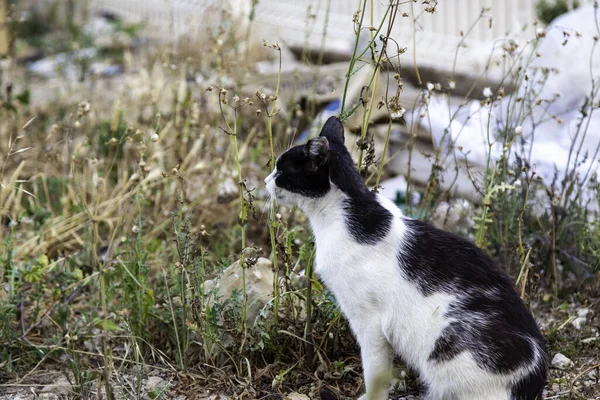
[437, 260]
[485, 320]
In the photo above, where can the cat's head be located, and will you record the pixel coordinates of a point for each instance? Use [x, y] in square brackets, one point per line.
[304, 171]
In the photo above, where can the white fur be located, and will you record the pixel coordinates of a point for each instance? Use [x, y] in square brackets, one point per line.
[387, 312]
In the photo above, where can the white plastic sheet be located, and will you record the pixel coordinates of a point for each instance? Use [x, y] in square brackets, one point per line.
[558, 134]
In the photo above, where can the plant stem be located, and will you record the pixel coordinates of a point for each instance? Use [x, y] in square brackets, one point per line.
[272, 222]
[106, 370]
[310, 346]
[242, 222]
[354, 58]
[385, 149]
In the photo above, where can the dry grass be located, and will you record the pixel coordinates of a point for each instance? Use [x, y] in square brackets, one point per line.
[122, 199]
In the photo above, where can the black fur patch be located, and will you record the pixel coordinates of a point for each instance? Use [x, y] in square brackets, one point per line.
[367, 221]
[491, 321]
[529, 388]
[296, 174]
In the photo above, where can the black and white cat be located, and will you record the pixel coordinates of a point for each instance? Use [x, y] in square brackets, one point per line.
[407, 288]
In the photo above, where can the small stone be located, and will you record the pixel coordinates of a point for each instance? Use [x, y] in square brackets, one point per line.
[581, 318]
[546, 298]
[61, 386]
[398, 385]
[297, 396]
[560, 361]
[154, 382]
[259, 285]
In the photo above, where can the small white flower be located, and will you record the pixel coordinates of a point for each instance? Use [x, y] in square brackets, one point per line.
[430, 86]
[397, 114]
[135, 229]
[487, 92]
[154, 137]
[451, 85]
[540, 32]
[519, 130]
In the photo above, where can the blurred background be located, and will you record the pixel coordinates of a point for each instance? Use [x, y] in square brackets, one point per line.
[140, 255]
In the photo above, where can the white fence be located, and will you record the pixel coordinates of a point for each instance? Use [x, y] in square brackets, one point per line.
[433, 39]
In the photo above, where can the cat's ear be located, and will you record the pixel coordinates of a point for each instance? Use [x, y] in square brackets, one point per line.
[318, 151]
[333, 130]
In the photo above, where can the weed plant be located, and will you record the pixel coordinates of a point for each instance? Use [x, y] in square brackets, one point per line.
[115, 215]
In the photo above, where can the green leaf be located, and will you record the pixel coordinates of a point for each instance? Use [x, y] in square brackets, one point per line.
[24, 97]
[77, 274]
[43, 261]
[110, 325]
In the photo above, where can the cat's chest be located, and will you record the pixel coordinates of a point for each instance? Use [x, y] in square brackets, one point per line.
[336, 248]
[354, 272]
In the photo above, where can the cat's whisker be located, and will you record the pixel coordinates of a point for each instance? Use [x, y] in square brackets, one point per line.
[278, 147]
[266, 207]
[292, 137]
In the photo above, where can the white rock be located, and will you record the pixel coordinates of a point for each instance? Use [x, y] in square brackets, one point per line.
[560, 361]
[259, 285]
[398, 385]
[589, 340]
[61, 386]
[153, 382]
[297, 396]
[227, 190]
[581, 318]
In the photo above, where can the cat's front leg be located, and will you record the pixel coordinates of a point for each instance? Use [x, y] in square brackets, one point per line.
[377, 356]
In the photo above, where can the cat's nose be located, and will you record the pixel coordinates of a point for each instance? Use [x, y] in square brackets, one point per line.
[268, 178]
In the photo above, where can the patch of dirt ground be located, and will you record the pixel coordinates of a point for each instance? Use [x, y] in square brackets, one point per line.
[572, 328]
